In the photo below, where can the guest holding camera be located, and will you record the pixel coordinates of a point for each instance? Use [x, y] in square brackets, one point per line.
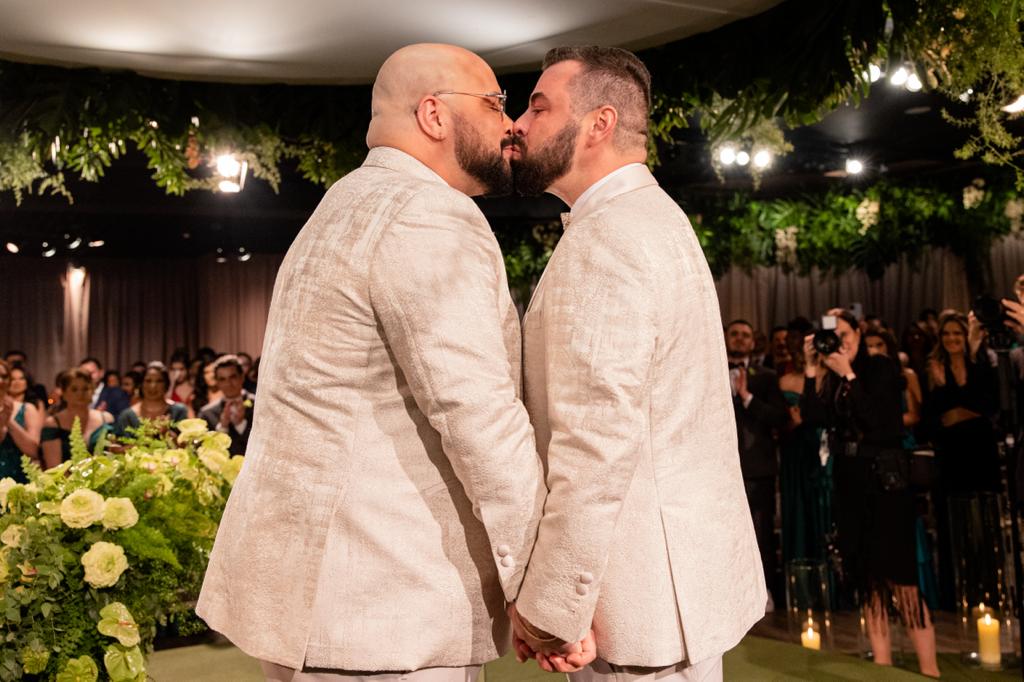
[857, 398]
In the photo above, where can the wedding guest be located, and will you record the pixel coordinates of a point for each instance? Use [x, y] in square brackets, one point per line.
[106, 397]
[205, 383]
[928, 320]
[213, 392]
[760, 409]
[77, 389]
[805, 476]
[246, 361]
[154, 403]
[131, 383]
[856, 398]
[139, 367]
[37, 391]
[21, 383]
[880, 341]
[232, 412]
[778, 357]
[181, 383]
[918, 345]
[112, 378]
[20, 426]
[760, 351]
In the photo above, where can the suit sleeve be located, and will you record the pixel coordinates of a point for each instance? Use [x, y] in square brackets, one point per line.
[600, 337]
[434, 286]
[768, 406]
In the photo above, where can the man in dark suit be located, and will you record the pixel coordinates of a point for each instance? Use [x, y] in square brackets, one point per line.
[232, 414]
[112, 399]
[760, 409]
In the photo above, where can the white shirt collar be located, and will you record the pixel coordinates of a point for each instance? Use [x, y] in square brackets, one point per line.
[619, 181]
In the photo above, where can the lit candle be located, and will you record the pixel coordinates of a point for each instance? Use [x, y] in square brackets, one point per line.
[988, 641]
[812, 640]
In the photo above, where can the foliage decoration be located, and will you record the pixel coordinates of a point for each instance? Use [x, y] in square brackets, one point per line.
[101, 549]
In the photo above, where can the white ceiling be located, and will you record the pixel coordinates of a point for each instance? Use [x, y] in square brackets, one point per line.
[333, 41]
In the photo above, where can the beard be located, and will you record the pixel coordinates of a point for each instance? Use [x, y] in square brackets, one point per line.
[534, 173]
[489, 167]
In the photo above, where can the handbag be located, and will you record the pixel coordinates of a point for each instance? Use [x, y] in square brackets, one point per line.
[892, 469]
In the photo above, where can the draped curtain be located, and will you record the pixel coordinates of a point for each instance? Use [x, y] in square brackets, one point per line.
[127, 310]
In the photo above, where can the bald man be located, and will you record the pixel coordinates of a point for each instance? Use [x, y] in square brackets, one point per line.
[391, 489]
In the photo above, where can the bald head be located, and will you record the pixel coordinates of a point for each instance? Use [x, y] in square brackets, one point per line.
[414, 72]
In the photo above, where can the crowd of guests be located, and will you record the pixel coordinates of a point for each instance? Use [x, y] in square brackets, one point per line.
[826, 443]
[36, 422]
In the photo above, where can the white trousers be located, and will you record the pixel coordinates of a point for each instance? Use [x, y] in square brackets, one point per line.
[279, 673]
[601, 671]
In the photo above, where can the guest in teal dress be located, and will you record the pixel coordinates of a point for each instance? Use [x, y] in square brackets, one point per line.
[77, 389]
[156, 382]
[20, 424]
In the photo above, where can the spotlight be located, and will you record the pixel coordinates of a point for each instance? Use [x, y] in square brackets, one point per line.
[727, 155]
[75, 243]
[221, 258]
[914, 83]
[854, 166]
[229, 186]
[244, 256]
[228, 166]
[12, 247]
[76, 277]
[965, 96]
[1016, 106]
[742, 158]
[50, 252]
[874, 72]
[762, 158]
[96, 243]
[899, 77]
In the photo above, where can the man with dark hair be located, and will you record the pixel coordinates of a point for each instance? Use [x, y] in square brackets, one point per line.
[246, 361]
[232, 414]
[645, 533]
[760, 409]
[778, 357]
[105, 398]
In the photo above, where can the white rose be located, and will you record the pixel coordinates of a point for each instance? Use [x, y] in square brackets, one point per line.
[5, 486]
[104, 563]
[82, 508]
[13, 535]
[190, 429]
[119, 512]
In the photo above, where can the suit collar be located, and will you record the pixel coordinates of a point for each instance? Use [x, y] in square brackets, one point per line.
[621, 180]
[401, 162]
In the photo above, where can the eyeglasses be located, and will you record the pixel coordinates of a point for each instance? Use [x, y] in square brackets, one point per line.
[500, 96]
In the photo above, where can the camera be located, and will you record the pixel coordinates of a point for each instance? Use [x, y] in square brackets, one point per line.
[826, 341]
[990, 313]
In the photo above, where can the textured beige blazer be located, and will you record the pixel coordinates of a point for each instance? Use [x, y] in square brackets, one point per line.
[646, 530]
[391, 488]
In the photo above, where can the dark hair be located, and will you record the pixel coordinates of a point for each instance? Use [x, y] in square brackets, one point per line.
[243, 354]
[136, 377]
[738, 321]
[228, 361]
[801, 325]
[207, 354]
[926, 312]
[776, 329]
[180, 355]
[610, 76]
[16, 352]
[891, 347]
[94, 360]
[69, 375]
[110, 373]
[158, 366]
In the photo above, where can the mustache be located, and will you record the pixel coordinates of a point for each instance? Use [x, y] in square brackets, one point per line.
[513, 139]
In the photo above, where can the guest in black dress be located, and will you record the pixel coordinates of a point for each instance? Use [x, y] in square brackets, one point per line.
[857, 398]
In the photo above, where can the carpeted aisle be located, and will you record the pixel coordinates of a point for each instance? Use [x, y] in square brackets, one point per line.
[755, 659]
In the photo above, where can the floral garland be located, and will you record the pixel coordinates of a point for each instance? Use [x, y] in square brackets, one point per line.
[98, 551]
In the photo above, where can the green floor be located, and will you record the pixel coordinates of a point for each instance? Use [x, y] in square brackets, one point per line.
[755, 658]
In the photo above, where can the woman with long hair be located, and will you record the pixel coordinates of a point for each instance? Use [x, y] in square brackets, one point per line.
[20, 426]
[154, 404]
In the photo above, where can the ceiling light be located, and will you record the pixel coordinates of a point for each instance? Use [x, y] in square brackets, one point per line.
[229, 186]
[914, 83]
[762, 158]
[228, 166]
[854, 166]
[742, 158]
[1016, 106]
[96, 243]
[244, 257]
[874, 72]
[727, 155]
[965, 96]
[899, 77]
[50, 252]
[12, 247]
[75, 243]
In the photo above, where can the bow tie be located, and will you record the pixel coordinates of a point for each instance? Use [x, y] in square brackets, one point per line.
[566, 219]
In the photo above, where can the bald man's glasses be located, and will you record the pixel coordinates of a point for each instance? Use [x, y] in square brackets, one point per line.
[499, 97]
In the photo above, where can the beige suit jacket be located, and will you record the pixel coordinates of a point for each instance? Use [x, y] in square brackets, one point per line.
[391, 488]
[646, 530]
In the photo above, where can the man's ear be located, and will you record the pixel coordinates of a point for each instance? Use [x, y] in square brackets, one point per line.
[431, 119]
[603, 123]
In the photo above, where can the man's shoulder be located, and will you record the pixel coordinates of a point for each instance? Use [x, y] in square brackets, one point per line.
[213, 408]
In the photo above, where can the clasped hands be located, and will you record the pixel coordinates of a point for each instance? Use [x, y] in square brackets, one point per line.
[551, 653]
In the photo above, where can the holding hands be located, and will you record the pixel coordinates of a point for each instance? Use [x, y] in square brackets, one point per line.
[552, 654]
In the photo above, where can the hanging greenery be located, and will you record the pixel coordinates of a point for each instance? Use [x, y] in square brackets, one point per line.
[788, 66]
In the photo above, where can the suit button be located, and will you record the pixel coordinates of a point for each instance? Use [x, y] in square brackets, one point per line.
[586, 578]
[507, 562]
[503, 550]
[582, 590]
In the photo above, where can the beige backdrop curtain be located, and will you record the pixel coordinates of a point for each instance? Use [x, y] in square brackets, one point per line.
[126, 310]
